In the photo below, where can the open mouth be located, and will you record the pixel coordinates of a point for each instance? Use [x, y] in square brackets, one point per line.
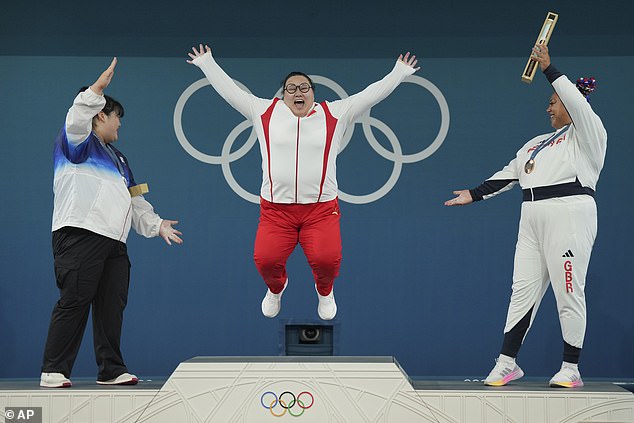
[299, 102]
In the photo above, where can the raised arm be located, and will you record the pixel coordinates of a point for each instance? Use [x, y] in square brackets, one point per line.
[239, 99]
[591, 133]
[355, 105]
[86, 105]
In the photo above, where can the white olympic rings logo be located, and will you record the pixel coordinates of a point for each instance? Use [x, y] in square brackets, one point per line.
[396, 156]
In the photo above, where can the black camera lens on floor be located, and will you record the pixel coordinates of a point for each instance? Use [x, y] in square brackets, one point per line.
[309, 335]
[308, 339]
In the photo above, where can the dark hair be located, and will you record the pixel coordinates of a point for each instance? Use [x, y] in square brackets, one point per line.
[586, 86]
[310, 81]
[112, 105]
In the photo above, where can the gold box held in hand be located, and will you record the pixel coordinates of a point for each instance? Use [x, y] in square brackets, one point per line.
[543, 38]
[139, 189]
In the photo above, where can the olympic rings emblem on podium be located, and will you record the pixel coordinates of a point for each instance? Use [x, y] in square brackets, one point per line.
[287, 402]
[367, 122]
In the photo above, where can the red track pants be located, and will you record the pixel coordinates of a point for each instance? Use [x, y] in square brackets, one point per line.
[314, 226]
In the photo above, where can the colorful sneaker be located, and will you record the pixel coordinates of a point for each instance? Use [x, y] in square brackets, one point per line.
[567, 377]
[272, 303]
[327, 308]
[503, 373]
[54, 380]
[124, 379]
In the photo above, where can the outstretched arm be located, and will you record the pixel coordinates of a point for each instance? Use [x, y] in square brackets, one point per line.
[500, 182]
[149, 224]
[356, 105]
[247, 104]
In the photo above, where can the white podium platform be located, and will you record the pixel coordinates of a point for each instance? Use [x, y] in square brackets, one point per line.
[317, 389]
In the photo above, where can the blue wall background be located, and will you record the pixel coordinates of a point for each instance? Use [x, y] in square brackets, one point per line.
[420, 281]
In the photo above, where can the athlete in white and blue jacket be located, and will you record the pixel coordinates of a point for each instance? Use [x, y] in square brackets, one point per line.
[92, 215]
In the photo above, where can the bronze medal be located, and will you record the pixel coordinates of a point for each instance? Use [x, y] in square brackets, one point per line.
[529, 167]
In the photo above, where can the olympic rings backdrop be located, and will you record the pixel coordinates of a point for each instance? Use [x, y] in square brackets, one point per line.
[418, 280]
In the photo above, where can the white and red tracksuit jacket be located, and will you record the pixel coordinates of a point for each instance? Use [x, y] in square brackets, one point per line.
[299, 154]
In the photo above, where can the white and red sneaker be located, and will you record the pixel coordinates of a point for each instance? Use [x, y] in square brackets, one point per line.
[54, 380]
[124, 379]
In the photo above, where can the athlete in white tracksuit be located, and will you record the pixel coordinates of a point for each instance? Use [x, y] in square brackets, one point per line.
[299, 142]
[558, 173]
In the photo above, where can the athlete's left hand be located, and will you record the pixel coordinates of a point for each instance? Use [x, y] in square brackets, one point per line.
[168, 233]
[198, 53]
[409, 61]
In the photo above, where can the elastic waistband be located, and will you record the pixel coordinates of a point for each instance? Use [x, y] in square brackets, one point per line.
[554, 191]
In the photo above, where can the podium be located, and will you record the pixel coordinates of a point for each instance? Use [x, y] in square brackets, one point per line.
[324, 389]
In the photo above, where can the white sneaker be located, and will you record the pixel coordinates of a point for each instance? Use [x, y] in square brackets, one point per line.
[327, 308]
[124, 379]
[272, 303]
[567, 377]
[503, 373]
[54, 380]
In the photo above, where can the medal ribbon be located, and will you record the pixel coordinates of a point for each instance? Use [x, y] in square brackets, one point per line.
[115, 159]
[547, 141]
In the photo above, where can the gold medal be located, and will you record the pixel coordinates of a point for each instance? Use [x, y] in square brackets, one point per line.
[529, 166]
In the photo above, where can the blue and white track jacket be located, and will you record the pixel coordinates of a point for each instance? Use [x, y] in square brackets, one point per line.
[91, 190]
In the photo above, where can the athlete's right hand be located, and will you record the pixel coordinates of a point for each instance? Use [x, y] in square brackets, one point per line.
[463, 198]
[198, 52]
[105, 78]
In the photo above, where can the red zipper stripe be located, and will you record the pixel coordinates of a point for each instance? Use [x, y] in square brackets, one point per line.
[331, 125]
[266, 122]
[297, 159]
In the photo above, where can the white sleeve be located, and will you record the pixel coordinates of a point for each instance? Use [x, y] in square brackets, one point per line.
[355, 105]
[508, 172]
[144, 221]
[79, 117]
[589, 129]
[237, 98]
[500, 182]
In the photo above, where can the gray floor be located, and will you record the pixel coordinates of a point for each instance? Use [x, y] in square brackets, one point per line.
[87, 384]
[524, 386]
[79, 384]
